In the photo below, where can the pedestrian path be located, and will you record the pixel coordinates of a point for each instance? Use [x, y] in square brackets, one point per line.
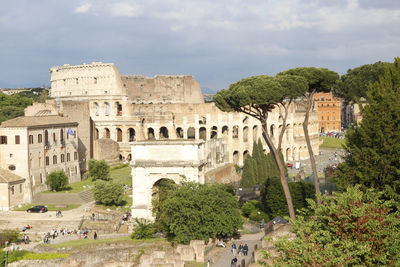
[251, 240]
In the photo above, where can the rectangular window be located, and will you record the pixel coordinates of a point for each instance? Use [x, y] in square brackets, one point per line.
[54, 159]
[30, 139]
[3, 140]
[68, 157]
[39, 138]
[75, 155]
[333, 117]
[322, 118]
[62, 158]
[47, 161]
[327, 118]
[17, 139]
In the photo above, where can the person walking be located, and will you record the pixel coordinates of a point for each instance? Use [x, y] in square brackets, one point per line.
[233, 249]
[95, 235]
[245, 249]
[233, 262]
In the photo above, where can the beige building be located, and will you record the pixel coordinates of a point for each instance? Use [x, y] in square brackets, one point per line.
[33, 147]
[12, 189]
[128, 108]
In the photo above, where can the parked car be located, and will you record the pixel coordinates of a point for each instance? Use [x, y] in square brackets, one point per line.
[39, 209]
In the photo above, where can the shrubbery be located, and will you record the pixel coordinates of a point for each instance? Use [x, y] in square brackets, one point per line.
[108, 192]
[99, 170]
[353, 228]
[10, 236]
[143, 230]
[57, 180]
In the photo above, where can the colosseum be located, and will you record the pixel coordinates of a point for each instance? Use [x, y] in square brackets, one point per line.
[128, 108]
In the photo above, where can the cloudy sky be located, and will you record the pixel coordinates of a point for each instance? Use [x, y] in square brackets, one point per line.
[217, 41]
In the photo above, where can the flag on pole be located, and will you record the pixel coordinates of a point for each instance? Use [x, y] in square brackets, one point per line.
[70, 132]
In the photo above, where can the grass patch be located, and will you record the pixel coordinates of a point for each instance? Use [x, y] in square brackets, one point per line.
[330, 142]
[194, 264]
[120, 174]
[50, 207]
[90, 242]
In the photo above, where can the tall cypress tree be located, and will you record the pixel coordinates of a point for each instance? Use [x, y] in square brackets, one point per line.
[248, 177]
[374, 146]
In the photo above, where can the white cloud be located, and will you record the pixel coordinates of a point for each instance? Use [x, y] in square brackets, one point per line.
[125, 9]
[84, 8]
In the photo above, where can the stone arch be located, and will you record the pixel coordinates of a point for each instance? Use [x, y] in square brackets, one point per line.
[287, 153]
[96, 134]
[131, 134]
[107, 108]
[191, 133]
[235, 131]
[214, 132]
[236, 157]
[179, 132]
[203, 133]
[255, 132]
[118, 107]
[272, 130]
[245, 154]
[245, 134]
[164, 133]
[96, 108]
[119, 135]
[225, 130]
[150, 134]
[106, 133]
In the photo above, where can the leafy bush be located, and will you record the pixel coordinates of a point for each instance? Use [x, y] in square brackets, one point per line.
[57, 180]
[196, 211]
[354, 228]
[257, 216]
[250, 206]
[143, 230]
[108, 192]
[10, 236]
[99, 170]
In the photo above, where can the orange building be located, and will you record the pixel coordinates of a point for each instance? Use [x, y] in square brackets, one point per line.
[329, 111]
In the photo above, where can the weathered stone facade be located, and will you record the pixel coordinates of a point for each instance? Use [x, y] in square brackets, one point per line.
[134, 108]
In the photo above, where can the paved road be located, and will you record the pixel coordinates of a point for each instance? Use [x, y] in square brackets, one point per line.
[251, 240]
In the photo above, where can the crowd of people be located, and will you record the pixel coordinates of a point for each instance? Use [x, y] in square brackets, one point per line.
[53, 234]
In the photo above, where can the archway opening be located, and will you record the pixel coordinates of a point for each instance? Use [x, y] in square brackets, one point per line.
[131, 133]
[245, 134]
[179, 132]
[236, 157]
[150, 134]
[235, 132]
[119, 135]
[119, 109]
[107, 132]
[245, 154]
[255, 129]
[225, 130]
[164, 133]
[191, 133]
[160, 191]
[203, 133]
[214, 132]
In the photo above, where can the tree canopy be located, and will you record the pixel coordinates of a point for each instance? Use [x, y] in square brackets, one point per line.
[353, 228]
[12, 106]
[57, 180]
[354, 84]
[374, 147]
[108, 192]
[99, 170]
[196, 211]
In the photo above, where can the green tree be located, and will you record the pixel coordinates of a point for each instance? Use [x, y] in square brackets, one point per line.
[374, 147]
[10, 112]
[143, 230]
[196, 211]
[257, 96]
[354, 84]
[353, 228]
[162, 189]
[10, 236]
[273, 198]
[108, 192]
[248, 175]
[99, 170]
[57, 180]
[12, 106]
[319, 80]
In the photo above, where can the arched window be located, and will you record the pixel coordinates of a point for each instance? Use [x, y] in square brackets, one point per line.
[203, 133]
[131, 133]
[255, 129]
[179, 132]
[119, 109]
[150, 134]
[164, 132]
[119, 135]
[225, 130]
[96, 134]
[235, 132]
[107, 132]
[245, 134]
[245, 154]
[61, 135]
[54, 159]
[107, 107]
[191, 133]
[214, 132]
[236, 157]
[97, 109]
[39, 138]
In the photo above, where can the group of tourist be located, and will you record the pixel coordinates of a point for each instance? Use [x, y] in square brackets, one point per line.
[28, 227]
[242, 250]
[55, 233]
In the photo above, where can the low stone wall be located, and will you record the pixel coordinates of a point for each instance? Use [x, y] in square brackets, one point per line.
[225, 174]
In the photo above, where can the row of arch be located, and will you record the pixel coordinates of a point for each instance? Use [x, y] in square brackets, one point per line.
[107, 108]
